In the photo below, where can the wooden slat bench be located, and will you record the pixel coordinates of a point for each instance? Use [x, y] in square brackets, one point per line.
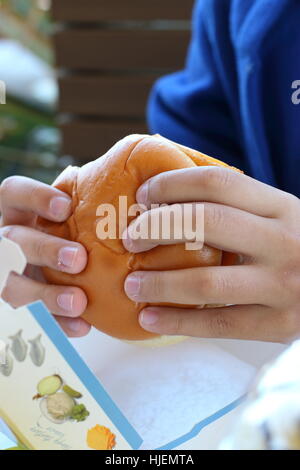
[109, 54]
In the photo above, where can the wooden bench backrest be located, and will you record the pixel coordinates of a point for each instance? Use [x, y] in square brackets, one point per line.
[109, 53]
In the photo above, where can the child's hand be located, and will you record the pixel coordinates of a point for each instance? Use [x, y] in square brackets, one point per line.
[21, 201]
[244, 216]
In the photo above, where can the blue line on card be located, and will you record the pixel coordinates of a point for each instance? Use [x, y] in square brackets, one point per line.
[57, 336]
[202, 424]
[4, 429]
[5, 442]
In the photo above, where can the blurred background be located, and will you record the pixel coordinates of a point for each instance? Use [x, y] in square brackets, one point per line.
[29, 138]
[78, 75]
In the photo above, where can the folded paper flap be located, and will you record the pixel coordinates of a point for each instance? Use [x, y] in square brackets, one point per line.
[12, 259]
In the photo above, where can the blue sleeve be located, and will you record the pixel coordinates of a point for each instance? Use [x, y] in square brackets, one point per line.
[198, 106]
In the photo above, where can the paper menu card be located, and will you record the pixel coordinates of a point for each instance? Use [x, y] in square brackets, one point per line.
[36, 349]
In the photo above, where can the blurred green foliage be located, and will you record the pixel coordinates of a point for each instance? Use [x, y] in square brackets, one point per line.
[29, 142]
[34, 12]
[18, 120]
[29, 138]
[29, 22]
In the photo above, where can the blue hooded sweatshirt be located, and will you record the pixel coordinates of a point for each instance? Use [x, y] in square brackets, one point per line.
[238, 98]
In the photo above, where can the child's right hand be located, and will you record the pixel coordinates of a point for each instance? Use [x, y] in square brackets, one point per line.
[22, 200]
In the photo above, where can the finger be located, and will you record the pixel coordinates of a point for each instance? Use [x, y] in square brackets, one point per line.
[248, 322]
[222, 227]
[60, 300]
[41, 249]
[200, 286]
[214, 184]
[74, 327]
[66, 303]
[21, 197]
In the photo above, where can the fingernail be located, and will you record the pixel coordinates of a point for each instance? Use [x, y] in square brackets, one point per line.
[59, 206]
[148, 318]
[67, 256]
[127, 241]
[65, 301]
[74, 325]
[142, 194]
[132, 286]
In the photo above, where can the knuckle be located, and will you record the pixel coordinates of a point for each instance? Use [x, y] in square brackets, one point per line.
[177, 326]
[290, 325]
[214, 216]
[288, 280]
[289, 242]
[288, 249]
[290, 203]
[41, 248]
[34, 194]
[156, 286]
[222, 285]
[205, 284]
[287, 261]
[220, 325]
[48, 294]
[216, 177]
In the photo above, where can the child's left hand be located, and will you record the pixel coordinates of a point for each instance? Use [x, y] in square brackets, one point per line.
[243, 216]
